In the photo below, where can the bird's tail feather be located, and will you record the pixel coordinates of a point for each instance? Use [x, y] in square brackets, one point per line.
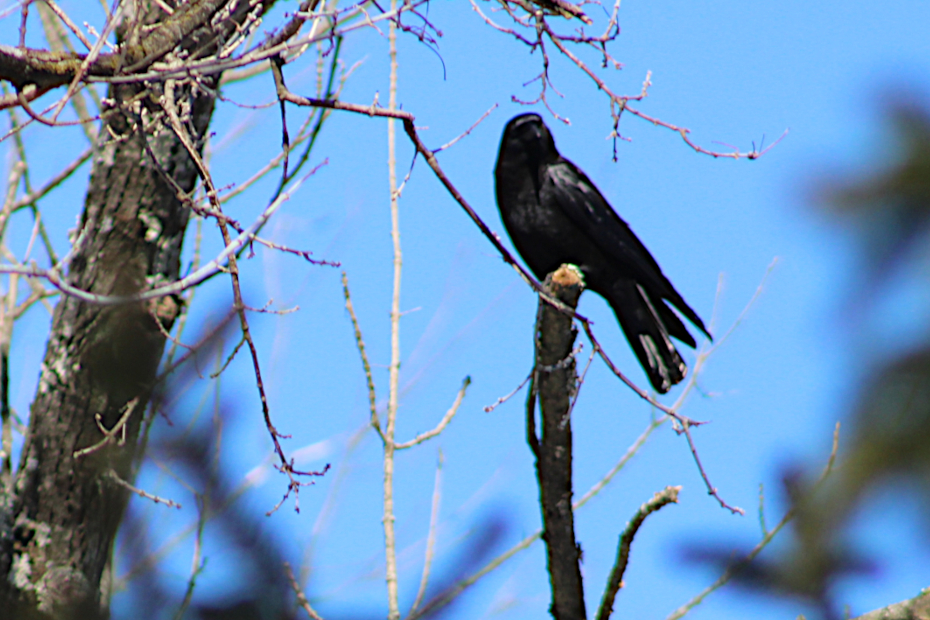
[673, 324]
[648, 335]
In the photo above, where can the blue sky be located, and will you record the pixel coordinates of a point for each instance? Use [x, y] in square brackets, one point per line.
[731, 72]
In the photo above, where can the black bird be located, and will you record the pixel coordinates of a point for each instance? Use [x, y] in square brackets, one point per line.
[555, 215]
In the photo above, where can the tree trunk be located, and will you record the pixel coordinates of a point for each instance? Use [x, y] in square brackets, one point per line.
[101, 362]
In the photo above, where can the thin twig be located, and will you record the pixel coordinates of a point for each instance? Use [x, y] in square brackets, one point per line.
[467, 131]
[301, 597]
[749, 304]
[112, 475]
[109, 435]
[685, 423]
[67, 22]
[360, 345]
[108, 29]
[431, 537]
[711, 489]
[762, 525]
[581, 378]
[285, 465]
[210, 269]
[442, 423]
[212, 65]
[503, 399]
[198, 562]
[55, 181]
[410, 128]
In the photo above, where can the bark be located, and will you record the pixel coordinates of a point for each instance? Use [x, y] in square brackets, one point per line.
[49, 69]
[555, 381]
[59, 521]
[101, 362]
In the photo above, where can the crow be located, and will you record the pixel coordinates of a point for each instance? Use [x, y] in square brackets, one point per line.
[554, 215]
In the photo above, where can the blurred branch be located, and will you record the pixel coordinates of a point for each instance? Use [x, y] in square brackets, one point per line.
[301, 597]
[735, 566]
[890, 212]
[112, 475]
[431, 537]
[916, 608]
[198, 562]
[27, 184]
[891, 208]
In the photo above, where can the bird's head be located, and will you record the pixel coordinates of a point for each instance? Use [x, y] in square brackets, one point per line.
[527, 135]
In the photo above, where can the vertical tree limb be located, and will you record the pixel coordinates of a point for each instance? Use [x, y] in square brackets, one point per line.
[555, 383]
[390, 542]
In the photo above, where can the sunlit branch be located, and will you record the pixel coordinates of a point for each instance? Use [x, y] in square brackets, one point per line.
[442, 423]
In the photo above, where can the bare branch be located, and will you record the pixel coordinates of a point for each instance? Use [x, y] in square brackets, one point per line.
[460, 586]
[431, 537]
[442, 423]
[112, 475]
[505, 398]
[615, 581]
[555, 382]
[208, 270]
[467, 131]
[301, 597]
[109, 435]
[360, 345]
[55, 181]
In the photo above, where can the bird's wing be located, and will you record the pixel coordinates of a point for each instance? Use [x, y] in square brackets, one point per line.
[583, 204]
